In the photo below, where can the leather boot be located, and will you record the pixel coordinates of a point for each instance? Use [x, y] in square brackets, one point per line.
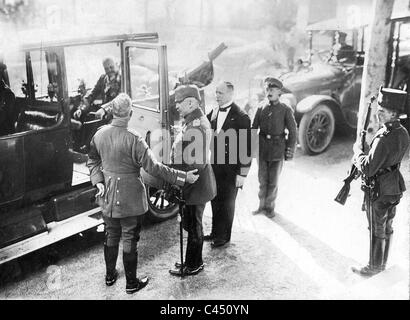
[110, 257]
[386, 251]
[378, 253]
[375, 263]
[134, 284]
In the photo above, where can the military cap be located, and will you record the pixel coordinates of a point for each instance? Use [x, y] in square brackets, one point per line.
[121, 105]
[187, 91]
[392, 99]
[271, 82]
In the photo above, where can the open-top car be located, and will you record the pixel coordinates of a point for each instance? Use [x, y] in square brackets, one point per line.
[324, 88]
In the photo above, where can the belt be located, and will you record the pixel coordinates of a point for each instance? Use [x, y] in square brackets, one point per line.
[272, 136]
[383, 171]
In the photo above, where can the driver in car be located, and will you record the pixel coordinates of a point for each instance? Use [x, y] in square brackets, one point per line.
[107, 88]
[341, 50]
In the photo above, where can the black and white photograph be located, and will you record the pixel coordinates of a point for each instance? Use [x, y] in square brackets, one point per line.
[202, 150]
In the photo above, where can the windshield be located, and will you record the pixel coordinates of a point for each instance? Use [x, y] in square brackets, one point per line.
[333, 46]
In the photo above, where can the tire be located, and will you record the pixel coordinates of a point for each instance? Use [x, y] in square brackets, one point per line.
[159, 209]
[316, 130]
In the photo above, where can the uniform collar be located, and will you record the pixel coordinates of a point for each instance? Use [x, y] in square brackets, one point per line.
[195, 114]
[120, 122]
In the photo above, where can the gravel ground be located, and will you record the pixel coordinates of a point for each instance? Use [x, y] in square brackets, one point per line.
[305, 252]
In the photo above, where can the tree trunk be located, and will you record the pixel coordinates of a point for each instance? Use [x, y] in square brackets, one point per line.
[375, 63]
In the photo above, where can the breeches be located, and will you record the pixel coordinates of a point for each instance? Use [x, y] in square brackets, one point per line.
[383, 212]
[128, 228]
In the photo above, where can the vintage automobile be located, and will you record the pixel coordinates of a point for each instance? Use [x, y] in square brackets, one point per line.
[45, 191]
[324, 89]
[398, 63]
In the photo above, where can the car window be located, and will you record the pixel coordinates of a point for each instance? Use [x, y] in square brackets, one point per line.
[144, 77]
[40, 74]
[16, 69]
[84, 64]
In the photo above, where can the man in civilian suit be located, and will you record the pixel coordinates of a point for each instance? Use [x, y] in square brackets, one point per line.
[231, 160]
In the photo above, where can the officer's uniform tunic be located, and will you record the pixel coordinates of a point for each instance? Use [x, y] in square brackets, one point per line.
[191, 150]
[116, 157]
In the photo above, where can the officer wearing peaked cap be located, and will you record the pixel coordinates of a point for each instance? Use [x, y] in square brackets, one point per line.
[380, 166]
[116, 157]
[196, 138]
[272, 118]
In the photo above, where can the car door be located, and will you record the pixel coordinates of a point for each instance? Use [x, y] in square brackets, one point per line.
[146, 82]
[44, 126]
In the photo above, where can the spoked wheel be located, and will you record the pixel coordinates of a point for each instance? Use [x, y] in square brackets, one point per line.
[160, 208]
[316, 129]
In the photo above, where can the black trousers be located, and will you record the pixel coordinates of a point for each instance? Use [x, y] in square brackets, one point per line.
[223, 205]
[193, 225]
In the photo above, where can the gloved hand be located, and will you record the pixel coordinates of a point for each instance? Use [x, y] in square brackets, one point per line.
[77, 114]
[100, 113]
[288, 154]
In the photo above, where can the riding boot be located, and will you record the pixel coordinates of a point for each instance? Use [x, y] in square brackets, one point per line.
[375, 264]
[386, 251]
[110, 257]
[378, 253]
[130, 261]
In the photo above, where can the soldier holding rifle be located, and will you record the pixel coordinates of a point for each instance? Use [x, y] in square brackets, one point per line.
[382, 181]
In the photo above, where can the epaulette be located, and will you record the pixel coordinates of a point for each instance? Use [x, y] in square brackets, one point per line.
[134, 132]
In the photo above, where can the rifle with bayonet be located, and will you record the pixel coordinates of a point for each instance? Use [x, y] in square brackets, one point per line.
[354, 172]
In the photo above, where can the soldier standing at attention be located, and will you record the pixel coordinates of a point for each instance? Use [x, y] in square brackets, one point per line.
[116, 157]
[380, 168]
[272, 118]
[195, 135]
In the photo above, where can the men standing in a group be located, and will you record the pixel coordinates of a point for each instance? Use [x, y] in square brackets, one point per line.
[383, 182]
[195, 136]
[273, 118]
[230, 162]
[116, 158]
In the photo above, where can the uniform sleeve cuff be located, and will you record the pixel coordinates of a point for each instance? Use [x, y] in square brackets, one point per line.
[98, 178]
[181, 178]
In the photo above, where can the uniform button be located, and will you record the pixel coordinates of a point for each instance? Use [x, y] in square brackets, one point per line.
[118, 191]
[118, 202]
[118, 179]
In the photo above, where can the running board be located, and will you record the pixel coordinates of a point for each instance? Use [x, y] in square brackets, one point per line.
[56, 232]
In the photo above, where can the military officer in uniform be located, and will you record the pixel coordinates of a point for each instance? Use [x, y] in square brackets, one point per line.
[272, 118]
[116, 157]
[191, 150]
[107, 88]
[380, 168]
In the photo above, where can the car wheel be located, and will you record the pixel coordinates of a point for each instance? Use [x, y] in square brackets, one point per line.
[316, 129]
[159, 208]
